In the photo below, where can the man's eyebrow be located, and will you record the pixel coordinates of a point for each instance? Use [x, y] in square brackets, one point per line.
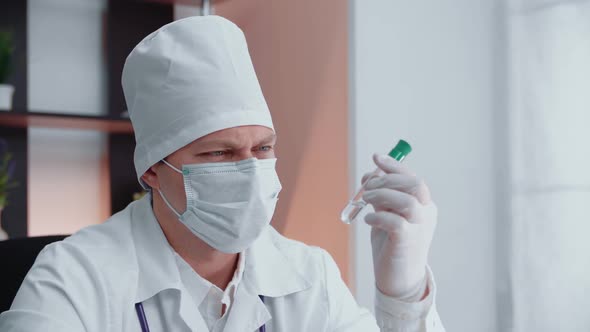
[228, 144]
[270, 138]
[217, 142]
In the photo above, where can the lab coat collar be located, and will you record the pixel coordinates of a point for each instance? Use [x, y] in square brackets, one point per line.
[247, 313]
[157, 268]
[268, 271]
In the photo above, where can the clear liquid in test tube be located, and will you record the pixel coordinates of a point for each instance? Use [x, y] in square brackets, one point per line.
[357, 204]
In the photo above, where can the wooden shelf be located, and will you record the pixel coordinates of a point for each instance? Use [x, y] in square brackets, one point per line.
[109, 124]
[196, 3]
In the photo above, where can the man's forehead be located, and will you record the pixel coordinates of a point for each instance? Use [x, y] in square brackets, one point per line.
[236, 135]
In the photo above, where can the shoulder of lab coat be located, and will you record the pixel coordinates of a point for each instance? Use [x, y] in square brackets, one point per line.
[72, 284]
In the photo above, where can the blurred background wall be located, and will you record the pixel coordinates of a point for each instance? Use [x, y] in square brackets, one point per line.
[425, 71]
[549, 113]
[68, 180]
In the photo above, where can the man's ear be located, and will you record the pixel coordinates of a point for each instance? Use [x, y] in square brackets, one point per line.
[151, 178]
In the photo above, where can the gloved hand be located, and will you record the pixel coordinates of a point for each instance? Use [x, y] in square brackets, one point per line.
[402, 228]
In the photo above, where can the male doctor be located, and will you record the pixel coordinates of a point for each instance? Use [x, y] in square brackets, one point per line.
[198, 253]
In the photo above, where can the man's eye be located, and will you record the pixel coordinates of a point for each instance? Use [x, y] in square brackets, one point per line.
[215, 153]
[266, 148]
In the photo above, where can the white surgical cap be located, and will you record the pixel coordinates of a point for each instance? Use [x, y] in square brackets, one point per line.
[189, 78]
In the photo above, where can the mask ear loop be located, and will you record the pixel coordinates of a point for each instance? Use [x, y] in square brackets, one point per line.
[171, 166]
[168, 203]
[164, 196]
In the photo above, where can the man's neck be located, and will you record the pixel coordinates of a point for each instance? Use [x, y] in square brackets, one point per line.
[211, 264]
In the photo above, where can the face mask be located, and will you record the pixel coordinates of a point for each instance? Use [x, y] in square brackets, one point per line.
[228, 204]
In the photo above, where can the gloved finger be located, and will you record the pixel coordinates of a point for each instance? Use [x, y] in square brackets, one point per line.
[368, 176]
[384, 199]
[387, 221]
[405, 183]
[390, 165]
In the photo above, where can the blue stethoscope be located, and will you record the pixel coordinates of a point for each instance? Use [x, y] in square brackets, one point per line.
[145, 327]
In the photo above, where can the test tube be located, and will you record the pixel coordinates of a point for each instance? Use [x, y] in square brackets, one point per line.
[357, 204]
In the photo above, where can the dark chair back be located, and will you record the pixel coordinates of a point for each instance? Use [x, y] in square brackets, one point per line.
[16, 258]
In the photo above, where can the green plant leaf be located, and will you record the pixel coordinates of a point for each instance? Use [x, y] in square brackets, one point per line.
[6, 53]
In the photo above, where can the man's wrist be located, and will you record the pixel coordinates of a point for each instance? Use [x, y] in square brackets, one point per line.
[415, 293]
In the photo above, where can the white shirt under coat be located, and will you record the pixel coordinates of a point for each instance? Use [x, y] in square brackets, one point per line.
[92, 280]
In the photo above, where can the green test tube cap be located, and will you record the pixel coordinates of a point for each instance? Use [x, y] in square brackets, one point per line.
[401, 150]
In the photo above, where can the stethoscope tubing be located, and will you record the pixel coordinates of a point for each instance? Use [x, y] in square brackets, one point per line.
[146, 328]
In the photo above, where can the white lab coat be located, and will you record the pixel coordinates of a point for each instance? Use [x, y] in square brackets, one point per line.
[92, 280]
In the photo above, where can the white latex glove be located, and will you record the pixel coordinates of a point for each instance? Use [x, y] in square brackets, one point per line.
[402, 228]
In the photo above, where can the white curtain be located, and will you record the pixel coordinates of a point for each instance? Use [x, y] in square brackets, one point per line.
[549, 60]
